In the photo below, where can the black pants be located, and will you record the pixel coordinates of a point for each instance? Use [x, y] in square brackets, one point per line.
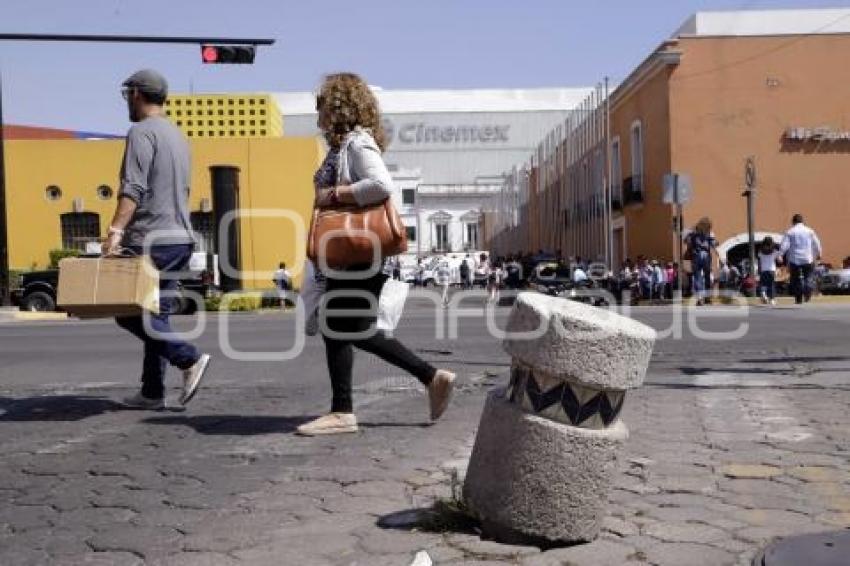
[801, 281]
[340, 349]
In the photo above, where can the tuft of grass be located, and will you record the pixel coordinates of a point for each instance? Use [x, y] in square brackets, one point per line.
[448, 516]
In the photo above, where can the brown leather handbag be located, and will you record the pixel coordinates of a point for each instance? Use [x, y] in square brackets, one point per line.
[342, 234]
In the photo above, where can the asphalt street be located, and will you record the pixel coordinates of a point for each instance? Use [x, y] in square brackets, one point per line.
[740, 435]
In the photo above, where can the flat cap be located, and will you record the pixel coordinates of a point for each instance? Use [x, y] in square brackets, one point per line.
[147, 81]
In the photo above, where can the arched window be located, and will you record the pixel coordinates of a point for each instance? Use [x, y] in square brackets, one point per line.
[79, 228]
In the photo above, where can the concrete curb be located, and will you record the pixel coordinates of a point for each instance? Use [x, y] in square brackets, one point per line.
[9, 315]
[754, 301]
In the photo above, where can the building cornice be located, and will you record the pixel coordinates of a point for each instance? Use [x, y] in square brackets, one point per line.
[663, 57]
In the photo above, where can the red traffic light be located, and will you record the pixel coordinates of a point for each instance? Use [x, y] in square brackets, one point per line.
[237, 54]
[209, 54]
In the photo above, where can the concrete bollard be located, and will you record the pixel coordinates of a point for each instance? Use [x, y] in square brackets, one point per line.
[546, 447]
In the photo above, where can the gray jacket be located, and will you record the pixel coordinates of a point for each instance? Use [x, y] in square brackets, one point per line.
[362, 167]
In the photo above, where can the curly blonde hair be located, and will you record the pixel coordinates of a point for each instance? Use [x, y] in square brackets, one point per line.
[704, 225]
[349, 103]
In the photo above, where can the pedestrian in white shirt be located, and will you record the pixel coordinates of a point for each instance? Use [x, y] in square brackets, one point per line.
[768, 256]
[800, 247]
[282, 278]
[444, 280]
[659, 279]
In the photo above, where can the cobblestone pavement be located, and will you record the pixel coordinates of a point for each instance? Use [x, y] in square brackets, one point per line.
[726, 453]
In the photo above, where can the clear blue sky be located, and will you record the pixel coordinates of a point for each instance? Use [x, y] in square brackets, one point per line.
[393, 43]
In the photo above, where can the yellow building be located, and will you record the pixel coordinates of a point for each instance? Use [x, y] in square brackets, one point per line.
[61, 194]
[225, 115]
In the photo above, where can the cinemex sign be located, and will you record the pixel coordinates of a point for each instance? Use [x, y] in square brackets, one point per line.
[416, 133]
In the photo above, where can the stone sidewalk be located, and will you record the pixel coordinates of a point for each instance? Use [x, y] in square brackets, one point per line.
[710, 474]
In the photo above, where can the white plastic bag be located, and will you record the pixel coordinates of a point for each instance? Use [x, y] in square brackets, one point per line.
[391, 303]
[312, 289]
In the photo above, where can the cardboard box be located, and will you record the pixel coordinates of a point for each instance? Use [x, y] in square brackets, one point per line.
[107, 287]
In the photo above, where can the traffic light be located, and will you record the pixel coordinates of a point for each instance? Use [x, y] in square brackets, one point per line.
[227, 53]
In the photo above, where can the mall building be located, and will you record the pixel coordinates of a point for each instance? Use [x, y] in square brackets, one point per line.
[727, 86]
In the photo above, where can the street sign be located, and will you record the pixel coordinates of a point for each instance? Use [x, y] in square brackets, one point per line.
[677, 189]
[750, 173]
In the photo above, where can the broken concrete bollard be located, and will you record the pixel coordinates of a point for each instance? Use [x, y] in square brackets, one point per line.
[546, 447]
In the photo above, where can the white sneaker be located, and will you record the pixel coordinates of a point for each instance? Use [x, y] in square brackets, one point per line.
[192, 378]
[139, 401]
[764, 297]
[332, 423]
[773, 302]
[440, 392]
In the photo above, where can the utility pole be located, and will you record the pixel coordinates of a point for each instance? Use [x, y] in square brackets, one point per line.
[677, 191]
[213, 50]
[749, 194]
[680, 227]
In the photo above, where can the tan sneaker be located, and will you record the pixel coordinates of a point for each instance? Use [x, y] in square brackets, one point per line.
[192, 378]
[333, 423]
[440, 392]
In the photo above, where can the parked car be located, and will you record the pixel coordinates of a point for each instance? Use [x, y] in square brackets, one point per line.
[429, 265]
[552, 278]
[836, 282]
[36, 290]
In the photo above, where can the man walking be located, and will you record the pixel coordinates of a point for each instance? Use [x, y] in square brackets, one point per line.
[465, 273]
[801, 247]
[152, 218]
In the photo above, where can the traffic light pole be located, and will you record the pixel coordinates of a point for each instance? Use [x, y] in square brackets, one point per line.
[5, 284]
[4, 231]
[133, 39]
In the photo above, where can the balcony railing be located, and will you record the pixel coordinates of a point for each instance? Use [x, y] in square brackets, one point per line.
[633, 189]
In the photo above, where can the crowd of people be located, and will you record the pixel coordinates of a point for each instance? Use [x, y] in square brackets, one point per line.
[793, 263]
[790, 265]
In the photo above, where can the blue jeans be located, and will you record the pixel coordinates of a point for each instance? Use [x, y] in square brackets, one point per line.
[767, 284]
[159, 353]
[702, 274]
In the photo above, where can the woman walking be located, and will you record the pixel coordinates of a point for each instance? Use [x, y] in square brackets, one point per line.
[354, 173]
[700, 243]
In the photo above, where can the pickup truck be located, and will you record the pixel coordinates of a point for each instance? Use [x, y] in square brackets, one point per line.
[36, 290]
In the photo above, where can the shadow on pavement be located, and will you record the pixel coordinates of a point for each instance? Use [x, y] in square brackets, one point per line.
[233, 424]
[55, 408]
[442, 517]
[452, 517]
[690, 370]
[395, 425]
[799, 359]
[742, 385]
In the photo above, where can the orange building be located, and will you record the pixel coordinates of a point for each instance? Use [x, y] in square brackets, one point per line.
[771, 85]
